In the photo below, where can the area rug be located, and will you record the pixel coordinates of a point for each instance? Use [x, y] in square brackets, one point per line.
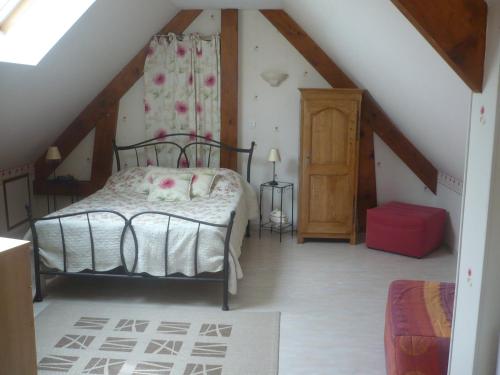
[112, 339]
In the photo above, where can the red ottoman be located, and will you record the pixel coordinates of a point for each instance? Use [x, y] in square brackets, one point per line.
[418, 327]
[405, 229]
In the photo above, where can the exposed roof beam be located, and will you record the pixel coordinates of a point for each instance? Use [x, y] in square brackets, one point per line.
[457, 31]
[367, 181]
[373, 115]
[229, 86]
[104, 102]
[102, 156]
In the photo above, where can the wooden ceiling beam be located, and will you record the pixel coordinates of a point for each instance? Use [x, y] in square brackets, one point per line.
[367, 181]
[102, 159]
[229, 86]
[373, 115]
[457, 31]
[103, 104]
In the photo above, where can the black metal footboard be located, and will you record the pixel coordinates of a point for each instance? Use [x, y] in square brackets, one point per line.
[125, 270]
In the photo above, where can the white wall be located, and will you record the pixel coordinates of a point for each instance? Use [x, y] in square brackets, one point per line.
[477, 306]
[382, 52]
[275, 111]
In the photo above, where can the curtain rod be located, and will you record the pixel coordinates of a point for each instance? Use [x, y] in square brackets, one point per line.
[181, 37]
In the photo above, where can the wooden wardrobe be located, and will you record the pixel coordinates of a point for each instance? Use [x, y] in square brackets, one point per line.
[328, 166]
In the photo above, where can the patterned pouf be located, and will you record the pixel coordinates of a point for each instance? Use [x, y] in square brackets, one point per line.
[418, 327]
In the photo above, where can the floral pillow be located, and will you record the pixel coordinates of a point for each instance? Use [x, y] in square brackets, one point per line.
[202, 183]
[203, 179]
[150, 174]
[171, 187]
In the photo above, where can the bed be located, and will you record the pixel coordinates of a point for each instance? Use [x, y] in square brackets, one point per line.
[118, 232]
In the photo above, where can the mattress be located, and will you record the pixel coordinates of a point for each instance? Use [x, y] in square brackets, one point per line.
[418, 327]
[122, 194]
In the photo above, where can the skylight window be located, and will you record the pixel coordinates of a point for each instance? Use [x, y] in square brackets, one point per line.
[30, 28]
[8, 11]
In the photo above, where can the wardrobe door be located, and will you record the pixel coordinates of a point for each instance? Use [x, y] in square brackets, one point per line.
[329, 148]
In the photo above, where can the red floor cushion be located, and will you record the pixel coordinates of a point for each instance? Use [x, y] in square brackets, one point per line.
[418, 327]
[405, 229]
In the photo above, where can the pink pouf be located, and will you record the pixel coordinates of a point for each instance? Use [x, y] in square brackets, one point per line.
[405, 229]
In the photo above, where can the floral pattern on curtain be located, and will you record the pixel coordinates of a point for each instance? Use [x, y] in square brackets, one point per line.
[182, 86]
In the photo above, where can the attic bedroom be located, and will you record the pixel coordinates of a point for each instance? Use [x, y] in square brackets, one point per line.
[249, 187]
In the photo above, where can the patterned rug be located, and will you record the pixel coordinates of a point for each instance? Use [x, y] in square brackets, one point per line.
[112, 339]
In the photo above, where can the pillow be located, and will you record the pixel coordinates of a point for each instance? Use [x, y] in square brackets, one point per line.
[126, 180]
[203, 179]
[202, 183]
[170, 187]
[150, 174]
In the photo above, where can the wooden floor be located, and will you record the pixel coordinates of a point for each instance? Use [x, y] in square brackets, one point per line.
[331, 295]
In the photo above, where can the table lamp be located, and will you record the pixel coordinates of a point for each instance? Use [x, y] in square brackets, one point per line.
[274, 156]
[53, 156]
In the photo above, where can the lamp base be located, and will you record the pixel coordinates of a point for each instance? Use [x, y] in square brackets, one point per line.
[274, 182]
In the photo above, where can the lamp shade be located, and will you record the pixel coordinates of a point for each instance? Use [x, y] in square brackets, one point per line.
[53, 153]
[274, 155]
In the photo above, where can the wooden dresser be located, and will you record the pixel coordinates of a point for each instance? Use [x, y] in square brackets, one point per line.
[328, 165]
[17, 328]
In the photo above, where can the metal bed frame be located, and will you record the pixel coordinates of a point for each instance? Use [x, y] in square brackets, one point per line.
[124, 271]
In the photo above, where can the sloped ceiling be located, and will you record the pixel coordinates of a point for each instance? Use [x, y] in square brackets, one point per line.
[37, 103]
[370, 40]
[381, 51]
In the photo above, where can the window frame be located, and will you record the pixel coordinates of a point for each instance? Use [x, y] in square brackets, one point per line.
[7, 22]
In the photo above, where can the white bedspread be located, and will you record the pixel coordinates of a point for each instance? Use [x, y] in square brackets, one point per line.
[230, 192]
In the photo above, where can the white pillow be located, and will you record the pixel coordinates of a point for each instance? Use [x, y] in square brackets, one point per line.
[170, 187]
[202, 183]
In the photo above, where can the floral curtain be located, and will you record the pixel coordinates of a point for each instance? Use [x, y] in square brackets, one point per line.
[182, 86]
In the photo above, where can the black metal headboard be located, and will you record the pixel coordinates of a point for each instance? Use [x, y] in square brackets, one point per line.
[195, 141]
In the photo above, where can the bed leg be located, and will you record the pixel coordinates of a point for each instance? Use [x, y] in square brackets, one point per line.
[225, 286]
[225, 283]
[225, 296]
[38, 280]
[247, 234]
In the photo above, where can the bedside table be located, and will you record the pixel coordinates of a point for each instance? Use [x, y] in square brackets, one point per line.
[280, 188]
[69, 187]
[51, 188]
